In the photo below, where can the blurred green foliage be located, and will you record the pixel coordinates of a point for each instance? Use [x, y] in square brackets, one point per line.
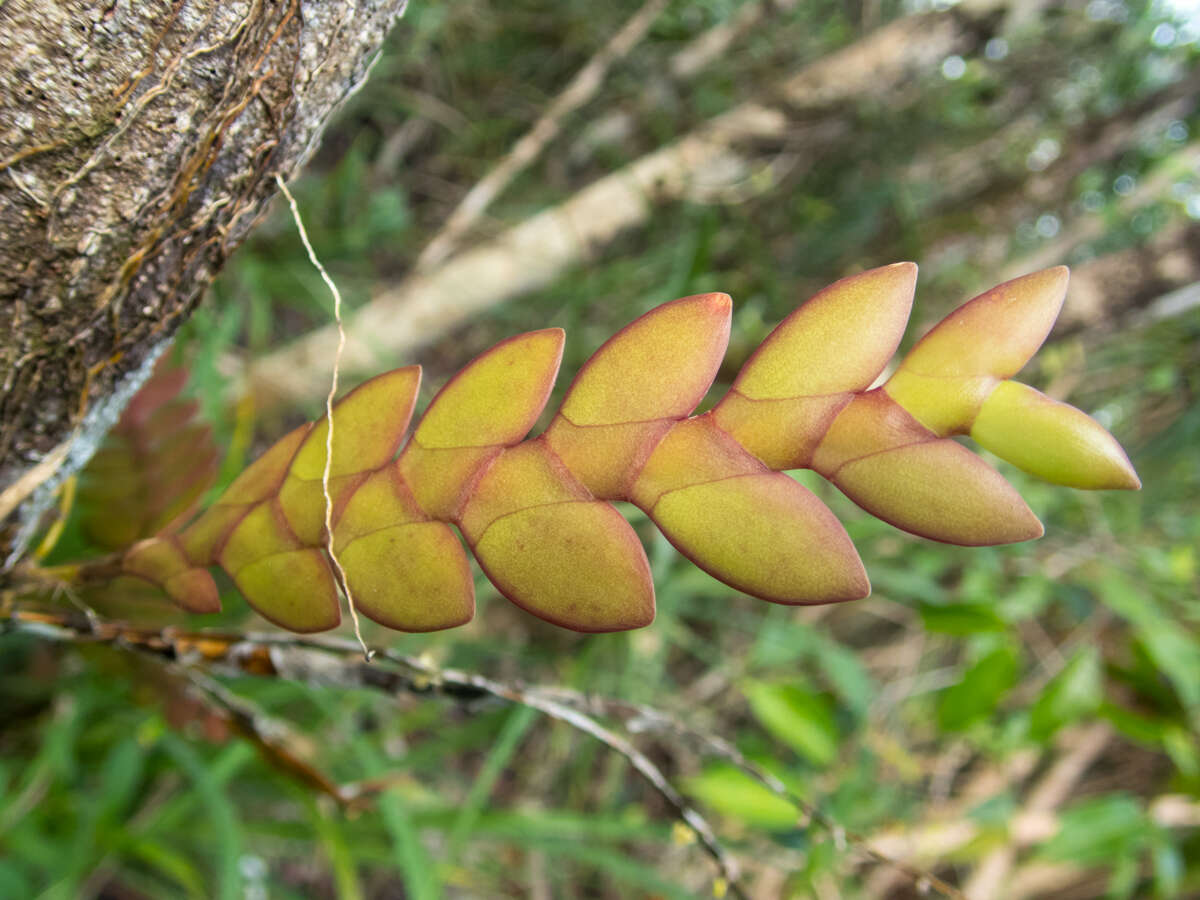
[879, 712]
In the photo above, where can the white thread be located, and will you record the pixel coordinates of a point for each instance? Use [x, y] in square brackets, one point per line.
[333, 386]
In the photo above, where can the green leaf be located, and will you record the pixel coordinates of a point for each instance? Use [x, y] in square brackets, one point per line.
[733, 793]
[960, 620]
[800, 718]
[981, 689]
[1100, 831]
[1170, 644]
[1073, 693]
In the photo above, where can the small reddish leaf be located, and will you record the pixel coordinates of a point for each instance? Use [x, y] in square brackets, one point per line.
[195, 591]
[657, 367]
[162, 561]
[264, 476]
[151, 469]
[382, 500]
[294, 589]
[553, 550]
[996, 333]
[205, 537]
[368, 426]
[403, 571]
[490, 404]
[789, 391]
[520, 477]
[838, 341]
[606, 458]
[285, 582]
[156, 559]
[262, 531]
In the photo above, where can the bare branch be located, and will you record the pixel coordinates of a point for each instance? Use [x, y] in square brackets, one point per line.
[579, 91]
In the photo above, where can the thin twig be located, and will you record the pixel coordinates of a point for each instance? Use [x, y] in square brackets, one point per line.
[580, 89]
[643, 718]
[321, 659]
[333, 386]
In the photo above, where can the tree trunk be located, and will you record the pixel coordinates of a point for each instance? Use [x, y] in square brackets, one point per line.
[139, 143]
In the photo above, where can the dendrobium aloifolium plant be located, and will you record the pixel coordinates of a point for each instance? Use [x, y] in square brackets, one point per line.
[537, 514]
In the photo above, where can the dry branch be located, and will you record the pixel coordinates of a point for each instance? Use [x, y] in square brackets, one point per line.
[331, 661]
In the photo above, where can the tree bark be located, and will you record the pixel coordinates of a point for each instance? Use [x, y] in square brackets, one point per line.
[139, 143]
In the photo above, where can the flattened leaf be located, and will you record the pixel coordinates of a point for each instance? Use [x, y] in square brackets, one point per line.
[789, 391]
[303, 502]
[657, 367]
[195, 591]
[576, 564]
[368, 426]
[694, 451]
[156, 559]
[765, 535]
[1052, 440]
[441, 480]
[263, 531]
[411, 577]
[756, 530]
[151, 469]
[838, 341]
[522, 476]
[895, 469]
[498, 397]
[294, 589]
[264, 476]
[782, 434]
[381, 501]
[162, 561]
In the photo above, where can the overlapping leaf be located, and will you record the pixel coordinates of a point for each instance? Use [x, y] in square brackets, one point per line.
[536, 513]
[152, 468]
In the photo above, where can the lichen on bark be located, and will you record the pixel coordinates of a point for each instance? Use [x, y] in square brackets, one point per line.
[138, 145]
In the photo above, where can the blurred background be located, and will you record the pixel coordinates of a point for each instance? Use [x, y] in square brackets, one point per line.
[1018, 721]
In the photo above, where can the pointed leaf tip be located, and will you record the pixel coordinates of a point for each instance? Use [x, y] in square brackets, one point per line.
[837, 341]
[995, 333]
[658, 366]
[498, 397]
[1052, 440]
[949, 373]
[756, 530]
[368, 426]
